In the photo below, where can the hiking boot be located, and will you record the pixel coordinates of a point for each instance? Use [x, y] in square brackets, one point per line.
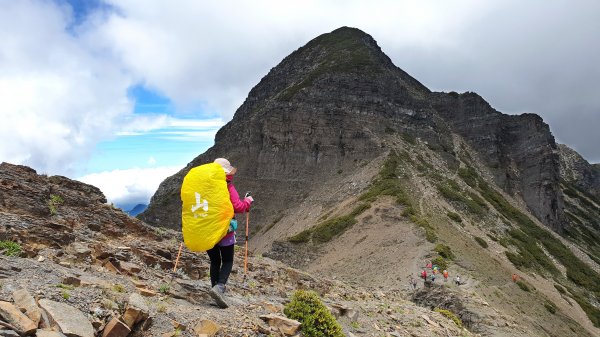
[217, 293]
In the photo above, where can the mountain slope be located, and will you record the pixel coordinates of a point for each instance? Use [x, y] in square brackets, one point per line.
[361, 172]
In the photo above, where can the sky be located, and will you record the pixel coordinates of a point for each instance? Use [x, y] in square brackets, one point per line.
[123, 93]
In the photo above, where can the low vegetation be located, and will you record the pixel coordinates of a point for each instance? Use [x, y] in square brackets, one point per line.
[481, 242]
[444, 251]
[10, 248]
[54, 202]
[449, 314]
[317, 321]
[454, 216]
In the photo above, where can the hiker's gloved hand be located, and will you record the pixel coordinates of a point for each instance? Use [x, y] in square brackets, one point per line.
[250, 198]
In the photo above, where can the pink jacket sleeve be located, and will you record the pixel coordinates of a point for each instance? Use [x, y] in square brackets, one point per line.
[239, 206]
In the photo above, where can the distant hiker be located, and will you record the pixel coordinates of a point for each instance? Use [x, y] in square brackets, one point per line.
[457, 280]
[445, 273]
[435, 269]
[432, 278]
[515, 277]
[413, 282]
[429, 265]
[424, 275]
[221, 255]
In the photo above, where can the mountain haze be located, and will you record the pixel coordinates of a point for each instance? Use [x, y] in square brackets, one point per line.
[361, 172]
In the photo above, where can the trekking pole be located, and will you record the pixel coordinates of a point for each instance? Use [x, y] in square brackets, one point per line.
[178, 255]
[246, 252]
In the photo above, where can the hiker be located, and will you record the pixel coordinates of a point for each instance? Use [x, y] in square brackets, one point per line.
[429, 265]
[515, 277]
[457, 280]
[413, 282]
[435, 269]
[445, 273]
[432, 278]
[221, 255]
[424, 275]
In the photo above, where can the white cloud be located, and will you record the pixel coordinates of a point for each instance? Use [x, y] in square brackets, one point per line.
[129, 187]
[57, 97]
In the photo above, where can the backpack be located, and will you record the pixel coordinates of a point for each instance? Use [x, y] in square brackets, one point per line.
[206, 208]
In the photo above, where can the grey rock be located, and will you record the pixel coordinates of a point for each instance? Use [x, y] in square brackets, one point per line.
[70, 320]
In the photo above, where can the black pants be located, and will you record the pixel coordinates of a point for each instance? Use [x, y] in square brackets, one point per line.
[221, 262]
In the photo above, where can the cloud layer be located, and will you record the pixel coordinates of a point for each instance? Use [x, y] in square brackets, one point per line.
[64, 77]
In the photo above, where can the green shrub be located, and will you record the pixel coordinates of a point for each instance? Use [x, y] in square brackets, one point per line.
[469, 176]
[481, 242]
[444, 251]
[301, 237]
[449, 314]
[325, 231]
[550, 306]
[423, 223]
[472, 202]
[454, 216]
[54, 202]
[387, 182]
[164, 288]
[440, 262]
[307, 308]
[359, 209]
[524, 286]
[10, 248]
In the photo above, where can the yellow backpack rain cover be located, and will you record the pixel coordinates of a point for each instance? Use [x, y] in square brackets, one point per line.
[206, 208]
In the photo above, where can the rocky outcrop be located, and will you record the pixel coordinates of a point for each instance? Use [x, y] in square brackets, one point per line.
[56, 211]
[576, 170]
[519, 151]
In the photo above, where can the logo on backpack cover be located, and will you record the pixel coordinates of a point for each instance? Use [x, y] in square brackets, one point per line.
[200, 204]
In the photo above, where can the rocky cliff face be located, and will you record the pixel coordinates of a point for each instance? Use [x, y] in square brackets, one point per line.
[327, 108]
[576, 170]
[519, 150]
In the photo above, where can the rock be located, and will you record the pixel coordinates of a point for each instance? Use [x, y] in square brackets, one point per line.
[206, 327]
[283, 324]
[48, 333]
[41, 258]
[116, 328]
[147, 292]
[130, 268]
[8, 333]
[13, 316]
[111, 267]
[71, 280]
[26, 303]
[178, 326]
[70, 320]
[343, 311]
[136, 310]
[272, 308]
[428, 320]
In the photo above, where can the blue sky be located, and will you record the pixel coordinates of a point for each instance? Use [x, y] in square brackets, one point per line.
[123, 93]
[176, 142]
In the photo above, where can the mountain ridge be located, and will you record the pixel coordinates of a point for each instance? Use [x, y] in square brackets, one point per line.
[314, 140]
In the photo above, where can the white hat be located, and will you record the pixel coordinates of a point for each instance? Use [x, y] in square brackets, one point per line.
[226, 166]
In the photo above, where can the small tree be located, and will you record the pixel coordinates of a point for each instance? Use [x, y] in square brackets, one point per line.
[317, 321]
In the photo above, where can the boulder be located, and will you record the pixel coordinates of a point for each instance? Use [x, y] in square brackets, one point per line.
[136, 310]
[70, 320]
[13, 316]
[288, 326]
[206, 327]
[116, 328]
[26, 303]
